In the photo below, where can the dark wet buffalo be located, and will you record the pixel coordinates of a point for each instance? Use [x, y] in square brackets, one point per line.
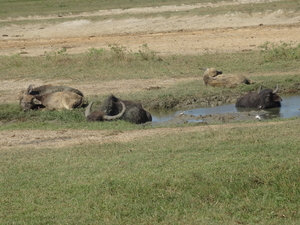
[100, 115]
[134, 112]
[262, 99]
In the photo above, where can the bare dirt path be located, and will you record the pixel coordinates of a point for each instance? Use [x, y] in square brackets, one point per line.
[68, 137]
[9, 88]
[230, 39]
[186, 34]
[174, 35]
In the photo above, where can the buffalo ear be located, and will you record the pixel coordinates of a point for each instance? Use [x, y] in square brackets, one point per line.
[36, 101]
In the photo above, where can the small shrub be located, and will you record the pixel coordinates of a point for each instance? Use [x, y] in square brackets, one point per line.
[96, 52]
[51, 55]
[58, 58]
[119, 52]
[15, 60]
[145, 54]
[280, 52]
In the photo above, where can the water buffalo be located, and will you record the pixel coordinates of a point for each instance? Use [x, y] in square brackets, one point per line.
[216, 78]
[262, 99]
[100, 115]
[45, 89]
[134, 112]
[52, 101]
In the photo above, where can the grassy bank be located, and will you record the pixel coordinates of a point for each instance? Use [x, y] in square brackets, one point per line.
[225, 175]
[118, 62]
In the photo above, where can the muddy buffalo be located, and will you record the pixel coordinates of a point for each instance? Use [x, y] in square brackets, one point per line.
[216, 78]
[52, 101]
[100, 115]
[134, 112]
[44, 90]
[262, 99]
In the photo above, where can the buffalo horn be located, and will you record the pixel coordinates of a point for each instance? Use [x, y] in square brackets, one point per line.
[87, 111]
[275, 91]
[259, 89]
[29, 89]
[106, 117]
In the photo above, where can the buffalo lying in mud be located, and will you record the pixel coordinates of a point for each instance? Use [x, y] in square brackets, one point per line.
[262, 99]
[101, 116]
[216, 78]
[134, 112]
[45, 89]
[51, 101]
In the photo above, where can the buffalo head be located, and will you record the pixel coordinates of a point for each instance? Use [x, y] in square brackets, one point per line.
[134, 112]
[100, 115]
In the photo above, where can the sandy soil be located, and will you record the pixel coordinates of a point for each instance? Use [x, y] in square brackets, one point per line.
[68, 137]
[174, 35]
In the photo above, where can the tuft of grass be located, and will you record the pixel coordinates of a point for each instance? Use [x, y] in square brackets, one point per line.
[120, 54]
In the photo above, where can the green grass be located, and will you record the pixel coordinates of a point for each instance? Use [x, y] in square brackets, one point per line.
[13, 118]
[26, 8]
[118, 62]
[41, 7]
[239, 175]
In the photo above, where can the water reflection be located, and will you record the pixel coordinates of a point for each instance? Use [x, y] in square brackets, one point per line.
[264, 114]
[289, 108]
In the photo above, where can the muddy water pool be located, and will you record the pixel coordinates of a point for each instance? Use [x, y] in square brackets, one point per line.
[290, 107]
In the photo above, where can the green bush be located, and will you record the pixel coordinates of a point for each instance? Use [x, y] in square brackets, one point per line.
[280, 52]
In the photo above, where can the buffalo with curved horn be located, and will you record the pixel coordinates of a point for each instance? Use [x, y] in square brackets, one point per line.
[100, 115]
[134, 112]
[262, 99]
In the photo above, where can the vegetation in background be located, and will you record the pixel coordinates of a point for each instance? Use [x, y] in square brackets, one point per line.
[272, 52]
[42, 7]
[57, 12]
[118, 62]
[26, 8]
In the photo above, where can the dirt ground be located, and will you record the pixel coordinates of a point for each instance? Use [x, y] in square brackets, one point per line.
[174, 35]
